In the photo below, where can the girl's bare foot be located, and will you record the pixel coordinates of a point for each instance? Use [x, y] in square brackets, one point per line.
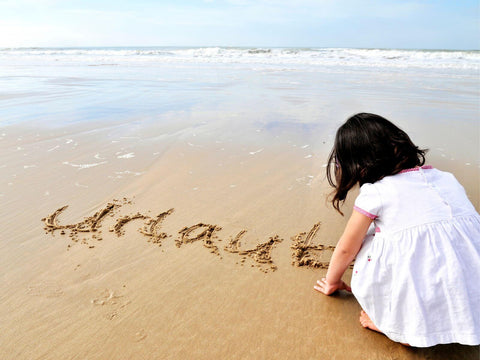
[367, 323]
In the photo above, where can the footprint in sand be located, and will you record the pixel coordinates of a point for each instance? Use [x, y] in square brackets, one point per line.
[87, 269]
[46, 289]
[140, 335]
[111, 303]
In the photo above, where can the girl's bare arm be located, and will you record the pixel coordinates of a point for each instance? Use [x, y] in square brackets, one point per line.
[345, 251]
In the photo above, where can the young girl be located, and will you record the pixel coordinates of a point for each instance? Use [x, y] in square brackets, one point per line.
[417, 274]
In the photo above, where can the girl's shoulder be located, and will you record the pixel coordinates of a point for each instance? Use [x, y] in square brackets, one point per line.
[416, 182]
[426, 173]
[407, 180]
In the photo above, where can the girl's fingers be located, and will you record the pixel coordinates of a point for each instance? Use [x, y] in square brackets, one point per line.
[320, 287]
[324, 288]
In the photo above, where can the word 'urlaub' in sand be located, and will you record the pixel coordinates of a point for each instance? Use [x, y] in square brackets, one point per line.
[304, 252]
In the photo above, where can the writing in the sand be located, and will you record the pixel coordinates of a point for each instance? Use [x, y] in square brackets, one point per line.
[304, 252]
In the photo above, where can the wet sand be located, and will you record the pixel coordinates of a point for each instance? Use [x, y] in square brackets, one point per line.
[199, 248]
[179, 211]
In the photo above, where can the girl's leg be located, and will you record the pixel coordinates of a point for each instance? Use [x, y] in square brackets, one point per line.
[367, 323]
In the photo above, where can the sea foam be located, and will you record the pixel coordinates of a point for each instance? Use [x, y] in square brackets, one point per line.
[290, 57]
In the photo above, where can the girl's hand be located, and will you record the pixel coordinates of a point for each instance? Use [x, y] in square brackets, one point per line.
[326, 288]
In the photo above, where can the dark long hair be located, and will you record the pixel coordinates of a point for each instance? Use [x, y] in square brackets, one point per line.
[367, 148]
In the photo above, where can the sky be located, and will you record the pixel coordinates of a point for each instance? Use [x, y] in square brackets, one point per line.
[406, 24]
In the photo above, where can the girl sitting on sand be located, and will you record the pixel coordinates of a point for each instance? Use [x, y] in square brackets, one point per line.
[417, 268]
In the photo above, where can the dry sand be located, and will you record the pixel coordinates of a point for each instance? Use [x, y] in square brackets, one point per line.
[198, 249]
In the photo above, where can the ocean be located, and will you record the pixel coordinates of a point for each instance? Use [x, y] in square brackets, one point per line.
[249, 96]
[57, 86]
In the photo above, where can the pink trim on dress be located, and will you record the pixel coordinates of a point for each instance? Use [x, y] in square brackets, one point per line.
[424, 167]
[366, 213]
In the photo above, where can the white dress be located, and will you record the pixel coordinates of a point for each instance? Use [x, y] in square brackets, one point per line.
[418, 276]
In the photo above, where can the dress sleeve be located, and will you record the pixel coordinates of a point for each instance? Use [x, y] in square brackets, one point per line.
[368, 202]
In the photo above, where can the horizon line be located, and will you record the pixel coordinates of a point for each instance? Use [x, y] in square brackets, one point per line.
[234, 47]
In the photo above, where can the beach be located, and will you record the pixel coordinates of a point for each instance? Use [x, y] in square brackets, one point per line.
[193, 177]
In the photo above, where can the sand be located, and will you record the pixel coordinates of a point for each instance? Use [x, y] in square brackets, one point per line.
[179, 211]
[212, 252]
